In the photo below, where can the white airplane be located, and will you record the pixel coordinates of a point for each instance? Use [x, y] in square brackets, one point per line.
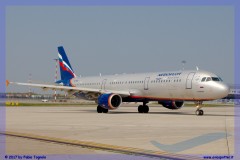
[170, 89]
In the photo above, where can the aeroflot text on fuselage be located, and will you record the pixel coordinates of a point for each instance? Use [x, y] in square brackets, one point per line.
[170, 74]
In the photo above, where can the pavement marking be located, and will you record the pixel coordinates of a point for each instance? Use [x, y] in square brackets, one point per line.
[108, 147]
[187, 144]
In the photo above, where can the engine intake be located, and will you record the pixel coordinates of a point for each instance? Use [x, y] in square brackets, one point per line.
[110, 101]
[172, 104]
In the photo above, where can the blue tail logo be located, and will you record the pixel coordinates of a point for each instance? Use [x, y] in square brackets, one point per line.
[66, 70]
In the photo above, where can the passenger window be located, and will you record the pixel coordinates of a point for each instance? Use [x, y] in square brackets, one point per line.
[203, 79]
[209, 79]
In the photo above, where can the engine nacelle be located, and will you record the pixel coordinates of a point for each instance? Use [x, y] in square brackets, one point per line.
[110, 101]
[172, 104]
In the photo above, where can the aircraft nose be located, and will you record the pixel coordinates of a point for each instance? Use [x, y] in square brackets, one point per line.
[224, 90]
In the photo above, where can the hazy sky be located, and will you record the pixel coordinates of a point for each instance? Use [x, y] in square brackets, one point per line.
[118, 39]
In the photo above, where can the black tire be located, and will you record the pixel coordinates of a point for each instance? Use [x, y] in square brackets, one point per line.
[199, 112]
[145, 109]
[140, 109]
[105, 110]
[99, 109]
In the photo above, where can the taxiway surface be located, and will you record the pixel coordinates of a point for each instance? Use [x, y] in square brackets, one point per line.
[176, 131]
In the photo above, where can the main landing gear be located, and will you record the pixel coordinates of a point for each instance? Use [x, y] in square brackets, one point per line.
[143, 108]
[101, 110]
[199, 111]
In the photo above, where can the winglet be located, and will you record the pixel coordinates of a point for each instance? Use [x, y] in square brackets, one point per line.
[7, 82]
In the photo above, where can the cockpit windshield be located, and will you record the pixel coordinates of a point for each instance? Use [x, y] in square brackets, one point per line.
[204, 79]
[215, 79]
[209, 79]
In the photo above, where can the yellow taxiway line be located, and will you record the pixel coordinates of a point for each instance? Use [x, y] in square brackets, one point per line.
[93, 145]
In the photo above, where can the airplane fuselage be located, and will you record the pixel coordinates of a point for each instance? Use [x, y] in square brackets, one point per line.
[157, 86]
[170, 89]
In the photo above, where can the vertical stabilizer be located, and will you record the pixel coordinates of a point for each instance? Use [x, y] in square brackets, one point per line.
[66, 70]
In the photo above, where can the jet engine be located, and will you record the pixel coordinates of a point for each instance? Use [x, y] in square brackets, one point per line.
[172, 104]
[110, 101]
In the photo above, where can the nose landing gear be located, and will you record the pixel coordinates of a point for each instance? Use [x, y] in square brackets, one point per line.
[199, 111]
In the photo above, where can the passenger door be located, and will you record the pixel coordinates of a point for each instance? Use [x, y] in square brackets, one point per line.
[189, 80]
[146, 81]
[103, 86]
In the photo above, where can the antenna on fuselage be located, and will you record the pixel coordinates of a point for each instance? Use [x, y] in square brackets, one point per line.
[183, 64]
[197, 68]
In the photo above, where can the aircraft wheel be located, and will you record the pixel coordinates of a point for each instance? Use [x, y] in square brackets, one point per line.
[105, 110]
[140, 109]
[145, 109]
[199, 112]
[99, 109]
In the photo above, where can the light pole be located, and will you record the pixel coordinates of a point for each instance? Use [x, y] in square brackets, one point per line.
[183, 63]
[30, 81]
[55, 91]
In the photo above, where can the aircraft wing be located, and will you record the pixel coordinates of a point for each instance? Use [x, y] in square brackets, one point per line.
[71, 90]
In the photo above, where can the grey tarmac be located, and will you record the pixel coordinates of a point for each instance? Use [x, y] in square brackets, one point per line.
[123, 127]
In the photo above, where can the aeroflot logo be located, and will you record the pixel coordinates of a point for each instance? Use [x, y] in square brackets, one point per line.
[170, 74]
[65, 66]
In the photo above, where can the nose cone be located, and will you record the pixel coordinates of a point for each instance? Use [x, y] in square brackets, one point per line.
[223, 90]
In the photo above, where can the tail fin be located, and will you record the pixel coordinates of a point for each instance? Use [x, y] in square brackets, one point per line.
[66, 70]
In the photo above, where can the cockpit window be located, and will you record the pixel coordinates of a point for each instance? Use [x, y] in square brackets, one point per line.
[203, 79]
[215, 79]
[209, 78]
